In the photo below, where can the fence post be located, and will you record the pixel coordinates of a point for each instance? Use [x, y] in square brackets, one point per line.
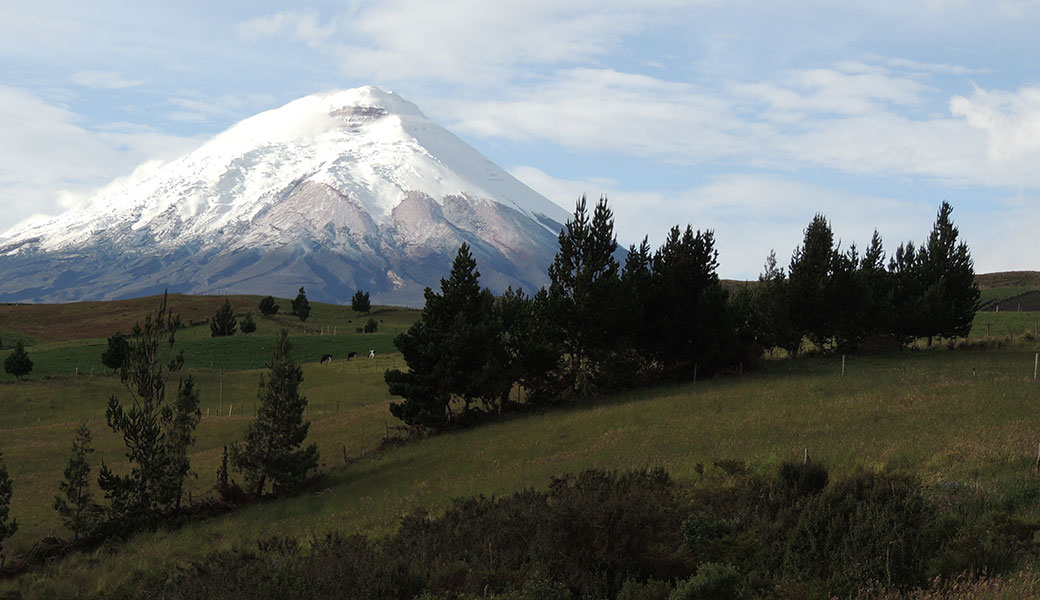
[842, 365]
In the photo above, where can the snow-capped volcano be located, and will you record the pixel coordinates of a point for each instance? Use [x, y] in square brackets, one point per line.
[348, 190]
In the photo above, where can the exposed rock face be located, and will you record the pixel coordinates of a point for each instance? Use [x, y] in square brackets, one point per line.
[335, 192]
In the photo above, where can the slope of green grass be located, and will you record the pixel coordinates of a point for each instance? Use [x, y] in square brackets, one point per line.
[988, 296]
[964, 416]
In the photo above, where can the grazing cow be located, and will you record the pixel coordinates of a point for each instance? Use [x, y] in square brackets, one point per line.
[352, 355]
[371, 353]
[326, 359]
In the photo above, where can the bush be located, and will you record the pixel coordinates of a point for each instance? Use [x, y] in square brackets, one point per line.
[867, 527]
[18, 362]
[654, 589]
[248, 325]
[268, 307]
[796, 480]
[371, 326]
[713, 581]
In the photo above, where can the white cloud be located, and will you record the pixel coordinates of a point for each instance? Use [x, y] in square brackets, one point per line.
[104, 80]
[462, 41]
[196, 108]
[49, 160]
[750, 214]
[1010, 122]
[601, 110]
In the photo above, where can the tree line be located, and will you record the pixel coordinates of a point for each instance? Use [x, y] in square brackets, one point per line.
[840, 300]
[664, 315]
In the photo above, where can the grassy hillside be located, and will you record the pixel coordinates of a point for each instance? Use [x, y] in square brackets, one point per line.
[947, 416]
[1023, 279]
[68, 339]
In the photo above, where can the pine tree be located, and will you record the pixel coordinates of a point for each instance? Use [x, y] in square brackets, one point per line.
[360, 302]
[845, 299]
[115, 354]
[691, 327]
[79, 513]
[300, 306]
[156, 477]
[907, 318]
[268, 307]
[8, 525]
[774, 323]
[586, 300]
[224, 322]
[273, 449]
[179, 422]
[809, 279]
[637, 279]
[454, 351]
[248, 325]
[18, 362]
[875, 286]
[951, 295]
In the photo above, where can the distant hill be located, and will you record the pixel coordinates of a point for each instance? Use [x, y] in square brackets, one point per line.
[1004, 279]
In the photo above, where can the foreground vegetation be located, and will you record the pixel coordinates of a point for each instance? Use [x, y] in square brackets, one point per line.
[950, 418]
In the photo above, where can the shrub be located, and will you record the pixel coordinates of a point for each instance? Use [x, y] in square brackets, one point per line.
[653, 589]
[796, 480]
[371, 326]
[248, 325]
[18, 362]
[867, 527]
[268, 307]
[713, 581]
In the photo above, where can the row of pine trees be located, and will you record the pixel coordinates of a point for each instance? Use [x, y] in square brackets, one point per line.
[664, 316]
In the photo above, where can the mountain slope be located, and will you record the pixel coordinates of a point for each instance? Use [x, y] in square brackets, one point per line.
[334, 192]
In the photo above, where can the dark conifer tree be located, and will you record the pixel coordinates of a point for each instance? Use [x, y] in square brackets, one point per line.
[156, 476]
[248, 325]
[223, 323]
[273, 449]
[18, 362]
[115, 354]
[874, 285]
[845, 299]
[360, 302]
[585, 298]
[691, 324]
[906, 319]
[809, 278]
[300, 306]
[772, 313]
[638, 280]
[951, 295]
[453, 352]
[79, 513]
[268, 307]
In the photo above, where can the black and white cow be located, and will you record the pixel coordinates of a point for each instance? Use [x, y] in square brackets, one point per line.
[326, 359]
[352, 355]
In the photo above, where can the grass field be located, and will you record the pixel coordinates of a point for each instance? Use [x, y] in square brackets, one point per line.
[922, 412]
[56, 351]
[964, 416]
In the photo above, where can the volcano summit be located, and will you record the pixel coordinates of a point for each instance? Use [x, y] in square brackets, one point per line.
[336, 192]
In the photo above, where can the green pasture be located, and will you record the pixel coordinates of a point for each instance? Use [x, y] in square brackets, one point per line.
[997, 294]
[1010, 326]
[965, 416]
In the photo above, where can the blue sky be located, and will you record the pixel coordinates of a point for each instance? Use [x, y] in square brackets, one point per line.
[739, 116]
